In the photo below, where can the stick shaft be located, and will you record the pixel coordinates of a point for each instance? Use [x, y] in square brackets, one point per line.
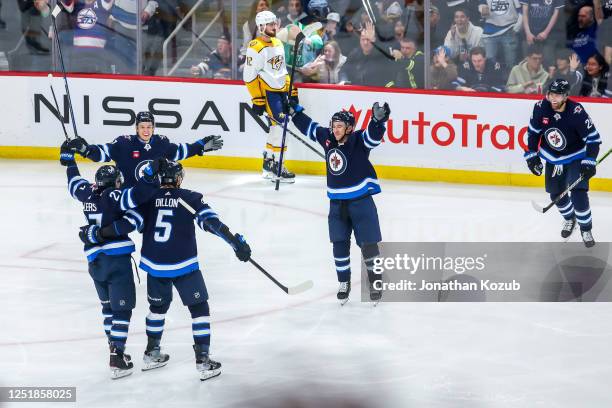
[58, 112]
[304, 142]
[59, 49]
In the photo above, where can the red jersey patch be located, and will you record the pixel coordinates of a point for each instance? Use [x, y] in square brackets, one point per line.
[545, 121]
[135, 154]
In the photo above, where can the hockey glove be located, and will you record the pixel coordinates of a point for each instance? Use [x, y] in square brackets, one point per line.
[151, 171]
[66, 155]
[259, 109]
[294, 106]
[242, 249]
[534, 163]
[380, 114]
[210, 143]
[587, 168]
[78, 145]
[90, 234]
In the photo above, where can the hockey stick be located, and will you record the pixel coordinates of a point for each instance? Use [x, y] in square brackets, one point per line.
[304, 142]
[298, 40]
[54, 14]
[57, 107]
[368, 7]
[294, 290]
[541, 209]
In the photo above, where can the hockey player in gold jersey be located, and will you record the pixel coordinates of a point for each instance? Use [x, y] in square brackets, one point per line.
[266, 77]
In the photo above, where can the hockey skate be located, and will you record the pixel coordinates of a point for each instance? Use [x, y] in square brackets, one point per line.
[568, 227]
[207, 367]
[588, 239]
[120, 366]
[153, 357]
[343, 292]
[268, 166]
[285, 177]
[375, 294]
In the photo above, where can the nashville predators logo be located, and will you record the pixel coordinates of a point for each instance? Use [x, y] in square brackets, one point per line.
[276, 62]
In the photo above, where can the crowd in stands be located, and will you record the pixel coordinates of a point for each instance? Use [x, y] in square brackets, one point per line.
[512, 46]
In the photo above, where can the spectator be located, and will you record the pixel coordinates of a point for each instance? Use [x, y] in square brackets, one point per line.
[331, 27]
[249, 30]
[217, 59]
[566, 67]
[365, 65]
[413, 19]
[608, 93]
[539, 20]
[584, 41]
[327, 67]
[596, 76]
[296, 12]
[480, 74]
[503, 20]
[602, 16]
[410, 65]
[2, 22]
[528, 76]
[449, 7]
[124, 23]
[462, 37]
[34, 22]
[435, 30]
[159, 27]
[443, 70]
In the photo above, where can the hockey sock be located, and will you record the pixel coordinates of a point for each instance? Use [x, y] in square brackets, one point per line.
[155, 321]
[200, 326]
[369, 253]
[119, 330]
[342, 259]
[107, 313]
[565, 206]
[580, 199]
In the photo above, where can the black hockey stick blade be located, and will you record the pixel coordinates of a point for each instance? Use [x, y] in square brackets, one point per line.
[302, 287]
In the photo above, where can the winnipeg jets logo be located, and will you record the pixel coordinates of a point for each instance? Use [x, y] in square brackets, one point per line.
[276, 62]
[336, 162]
[557, 116]
[555, 139]
[139, 171]
[87, 19]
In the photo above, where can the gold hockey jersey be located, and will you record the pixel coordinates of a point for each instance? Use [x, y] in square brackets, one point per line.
[265, 69]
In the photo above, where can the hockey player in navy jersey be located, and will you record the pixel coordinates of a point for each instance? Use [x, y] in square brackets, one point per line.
[109, 262]
[170, 258]
[562, 133]
[351, 183]
[131, 153]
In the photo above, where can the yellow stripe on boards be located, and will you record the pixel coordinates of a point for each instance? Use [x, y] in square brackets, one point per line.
[318, 168]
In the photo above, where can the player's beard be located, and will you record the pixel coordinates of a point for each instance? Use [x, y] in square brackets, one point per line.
[560, 106]
[271, 35]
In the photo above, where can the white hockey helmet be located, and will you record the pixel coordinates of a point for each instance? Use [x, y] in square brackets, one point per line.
[264, 17]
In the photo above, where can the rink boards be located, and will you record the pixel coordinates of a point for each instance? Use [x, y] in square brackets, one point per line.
[442, 136]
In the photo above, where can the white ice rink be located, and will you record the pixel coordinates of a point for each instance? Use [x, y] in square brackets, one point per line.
[272, 345]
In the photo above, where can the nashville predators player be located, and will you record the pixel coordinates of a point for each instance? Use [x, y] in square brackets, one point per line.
[266, 77]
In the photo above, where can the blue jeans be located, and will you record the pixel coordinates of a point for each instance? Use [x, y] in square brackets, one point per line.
[506, 43]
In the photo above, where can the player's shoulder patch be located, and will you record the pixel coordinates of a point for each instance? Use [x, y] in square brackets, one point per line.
[539, 103]
[578, 109]
[163, 138]
[257, 45]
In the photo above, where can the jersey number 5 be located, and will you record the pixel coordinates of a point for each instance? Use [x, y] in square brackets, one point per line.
[163, 229]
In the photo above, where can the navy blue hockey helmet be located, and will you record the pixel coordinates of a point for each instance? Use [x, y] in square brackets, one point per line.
[171, 173]
[559, 86]
[108, 176]
[145, 117]
[318, 9]
[343, 116]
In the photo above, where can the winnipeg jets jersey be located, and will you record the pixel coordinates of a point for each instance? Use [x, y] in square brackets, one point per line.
[562, 137]
[169, 246]
[350, 174]
[103, 208]
[132, 155]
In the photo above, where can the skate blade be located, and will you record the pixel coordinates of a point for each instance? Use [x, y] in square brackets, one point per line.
[117, 373]
[153, 366]
[208, 374]
[266, 175]
[344, 301]
[282, 180]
